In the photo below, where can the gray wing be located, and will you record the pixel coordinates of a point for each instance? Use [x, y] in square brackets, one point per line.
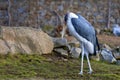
[86, 30]
[83, 19]
[83, 29]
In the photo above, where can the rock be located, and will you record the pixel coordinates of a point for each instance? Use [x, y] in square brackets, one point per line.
[49, 60]
[75, 52]
[65, 60]
[107, 56]
[116, 30]
[96, 58]
[62, 52]
[116, 55]
[60, 42]
[116, 52]
[72, 41]
[4, 49]
[118, 62]
[107, 46]
[27, 40]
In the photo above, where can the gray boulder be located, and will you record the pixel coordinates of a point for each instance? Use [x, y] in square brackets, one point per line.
[63, 46]
[75, 52]
[4, 49]
[26, 40]
[107, 56]
[60, 42]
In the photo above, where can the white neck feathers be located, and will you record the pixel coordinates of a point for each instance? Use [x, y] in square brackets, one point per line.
[72, 15]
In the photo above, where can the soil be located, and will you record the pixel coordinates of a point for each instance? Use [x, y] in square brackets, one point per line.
[110, 40]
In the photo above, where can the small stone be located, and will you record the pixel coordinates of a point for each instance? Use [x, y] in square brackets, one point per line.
[75, 52]
[118, 62]
[62, 52]
[74, 43]
[107, 46]
[116, 55]
[65, 60]
[96, 58]
[49, 60]
[116, 29]
[59, 42]
[108, 56]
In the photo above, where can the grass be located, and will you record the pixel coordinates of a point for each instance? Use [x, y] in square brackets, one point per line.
[37, 67]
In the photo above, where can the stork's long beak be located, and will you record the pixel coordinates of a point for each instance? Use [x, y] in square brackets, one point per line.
[65, 23]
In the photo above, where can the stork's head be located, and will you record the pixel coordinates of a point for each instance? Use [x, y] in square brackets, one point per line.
[69, 16]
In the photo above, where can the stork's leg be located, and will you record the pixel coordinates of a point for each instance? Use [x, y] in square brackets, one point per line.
[90, 69]
[81, 72]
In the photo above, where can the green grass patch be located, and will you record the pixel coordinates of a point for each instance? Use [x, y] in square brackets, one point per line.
[23, 66]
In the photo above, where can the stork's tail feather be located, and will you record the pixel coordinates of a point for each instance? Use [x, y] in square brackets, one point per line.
[96, 46]
[97, 43]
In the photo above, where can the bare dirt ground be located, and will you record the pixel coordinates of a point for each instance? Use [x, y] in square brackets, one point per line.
[110, 40]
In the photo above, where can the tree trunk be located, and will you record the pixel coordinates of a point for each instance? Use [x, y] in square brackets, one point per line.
[9, 14]
[109, 10]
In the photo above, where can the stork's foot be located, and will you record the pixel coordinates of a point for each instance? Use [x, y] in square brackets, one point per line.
[80, 73]
[90, 72]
